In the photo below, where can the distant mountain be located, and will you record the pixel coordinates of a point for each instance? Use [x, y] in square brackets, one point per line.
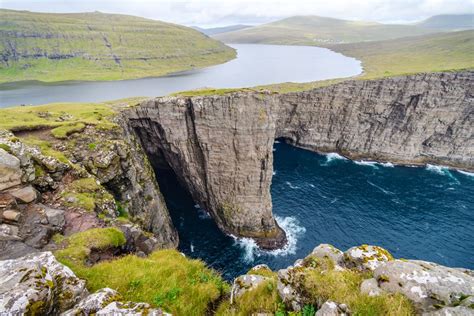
[99, 46]
[316, 30]
[223, 29]
[448, 22]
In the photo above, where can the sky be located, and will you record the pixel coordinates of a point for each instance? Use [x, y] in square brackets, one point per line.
[209, 13]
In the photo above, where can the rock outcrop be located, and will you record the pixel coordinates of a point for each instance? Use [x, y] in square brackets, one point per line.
[220, 147]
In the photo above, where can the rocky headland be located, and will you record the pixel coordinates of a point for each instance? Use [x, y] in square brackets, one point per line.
[87, 193]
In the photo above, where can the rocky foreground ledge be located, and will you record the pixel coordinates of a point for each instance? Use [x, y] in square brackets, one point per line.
[370, 280]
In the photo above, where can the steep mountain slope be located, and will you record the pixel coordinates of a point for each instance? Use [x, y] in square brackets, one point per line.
[98, 46]
[315, 30]
[449, 22]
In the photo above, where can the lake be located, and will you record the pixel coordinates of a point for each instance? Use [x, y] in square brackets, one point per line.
[255, 65]
[415, 212]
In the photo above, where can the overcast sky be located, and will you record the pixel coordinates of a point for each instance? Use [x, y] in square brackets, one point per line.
[224, 12]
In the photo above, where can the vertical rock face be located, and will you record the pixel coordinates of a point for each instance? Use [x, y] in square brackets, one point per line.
[220, 147]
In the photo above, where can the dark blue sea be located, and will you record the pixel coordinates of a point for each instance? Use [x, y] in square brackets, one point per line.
[422, 213]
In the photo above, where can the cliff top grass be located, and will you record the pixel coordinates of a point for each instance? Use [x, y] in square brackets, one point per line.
[98, 46]
[63, 118]
[164, 279]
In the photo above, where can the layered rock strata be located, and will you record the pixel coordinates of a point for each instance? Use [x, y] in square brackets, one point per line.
[220, 147]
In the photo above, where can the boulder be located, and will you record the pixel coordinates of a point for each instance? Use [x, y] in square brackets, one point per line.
[54, 217]
[94, 302]
[10, 172]
[426, 284]
[12, 249]
[328, 251]
[24, 195]
[365, 257]
[9, 232]
[452, 311]
[331, 308]
[245, 283]
[38, 284]
[370, 287]
[130, 309]
[287, 289]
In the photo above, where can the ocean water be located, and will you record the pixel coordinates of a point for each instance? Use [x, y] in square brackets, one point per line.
[422, 213]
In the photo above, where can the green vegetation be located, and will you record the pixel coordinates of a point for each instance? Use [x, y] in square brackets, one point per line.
[448, 22]
[79, 245]
[319, 31]
[86, 193]
[46, 148]
[97, 46]
[163, 279]
[64, 131]
[322, 283]
[263, 299]
[429, 53]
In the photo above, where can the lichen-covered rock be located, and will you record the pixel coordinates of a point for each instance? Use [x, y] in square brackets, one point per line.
[245, 283]
[94, 302]
[287, 288]
[452, 311]
[366, 257]
[428, 285]
[10, 172]
[53, 216]
[130, 309]
[38, 284]
[9, 232]
[328, 251]
[370, 287]
[139, 240]
[331, 308]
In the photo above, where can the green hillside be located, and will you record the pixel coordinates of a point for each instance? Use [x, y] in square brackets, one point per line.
[427, 53]
[320, 31]
[98, 46]
[448, 22]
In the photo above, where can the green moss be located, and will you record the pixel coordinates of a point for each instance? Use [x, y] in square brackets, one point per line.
[165, 279]
[209, 92]
[80, 244]
[92, 146]
[86, 193]
[5, 147]
[62, 132]
[265, 272]
[45, 147]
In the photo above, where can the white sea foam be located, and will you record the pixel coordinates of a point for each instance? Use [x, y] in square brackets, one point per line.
[470, 174]
[293, 231]
[294, 187]
[192, 247]
[274, 172]
[441, 170]
[387, 164]
[366, 163]
[332, 157]
[379, 187]
[277, 142]
[312, 185]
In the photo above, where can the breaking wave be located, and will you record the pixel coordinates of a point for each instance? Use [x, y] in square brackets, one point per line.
[441, 170]
[333, 157]
[469, 174]
[366, 163]
[293, 231]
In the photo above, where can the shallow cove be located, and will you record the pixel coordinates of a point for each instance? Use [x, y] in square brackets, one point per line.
[255, 65]
[414, 212]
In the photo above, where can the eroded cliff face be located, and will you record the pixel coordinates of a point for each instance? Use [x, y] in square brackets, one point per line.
[220, 147]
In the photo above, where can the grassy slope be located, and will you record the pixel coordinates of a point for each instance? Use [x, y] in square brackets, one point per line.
[321, 31]
[428, 53]
[97, 46]
[449, 22]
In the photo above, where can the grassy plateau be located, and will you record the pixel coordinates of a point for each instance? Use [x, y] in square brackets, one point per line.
[97, 46]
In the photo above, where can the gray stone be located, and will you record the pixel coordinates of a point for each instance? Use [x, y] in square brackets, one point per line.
[287, 290]
[130, 309]
[328, 251]
[452, 311]
[10, 172]
[39, 284]
[330, 308]
[24, 195]
[426, 284]
[55, 217]
[9, 232]
[245, 283]
[370, 287]
[366, 257]
[94, 302]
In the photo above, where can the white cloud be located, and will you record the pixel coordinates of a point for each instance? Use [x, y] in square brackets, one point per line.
[222, 12]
